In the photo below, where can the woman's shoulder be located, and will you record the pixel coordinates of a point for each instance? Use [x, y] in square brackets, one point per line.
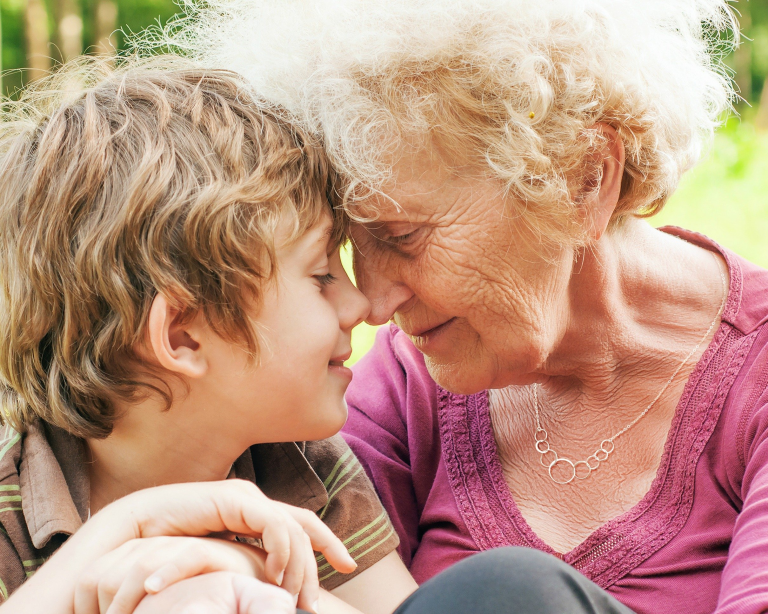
[750, 294]
[747, 401]
[393, 348]
[742, 444]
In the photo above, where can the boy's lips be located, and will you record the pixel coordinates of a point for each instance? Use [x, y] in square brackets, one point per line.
[336, 365]
[338, 361]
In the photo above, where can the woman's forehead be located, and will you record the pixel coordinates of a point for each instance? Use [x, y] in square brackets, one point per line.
[429, 196]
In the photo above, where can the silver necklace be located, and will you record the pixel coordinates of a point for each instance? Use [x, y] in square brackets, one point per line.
[581, 470]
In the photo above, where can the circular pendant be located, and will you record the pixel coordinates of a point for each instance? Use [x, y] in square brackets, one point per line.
[566, 472]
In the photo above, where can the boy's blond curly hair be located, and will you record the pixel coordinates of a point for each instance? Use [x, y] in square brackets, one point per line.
[116, 184]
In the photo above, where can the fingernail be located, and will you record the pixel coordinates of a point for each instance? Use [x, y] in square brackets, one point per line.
[280, 578]
[316, 607]
[153, 584]
[295, 599]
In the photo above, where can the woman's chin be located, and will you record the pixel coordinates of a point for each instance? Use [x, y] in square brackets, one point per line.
[471, 371]
[460, 376]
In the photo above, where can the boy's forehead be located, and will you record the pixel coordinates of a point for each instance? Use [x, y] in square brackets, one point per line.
[325, 227]
[316, 238]
[323, 232]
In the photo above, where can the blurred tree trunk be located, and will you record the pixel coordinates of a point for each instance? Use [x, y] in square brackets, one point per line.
[38, 41]
[742, 57]
[106, 24]
[68, 36]
[761, 120]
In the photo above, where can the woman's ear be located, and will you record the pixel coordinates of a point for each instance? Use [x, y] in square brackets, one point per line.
[603, 198]
[176, 346]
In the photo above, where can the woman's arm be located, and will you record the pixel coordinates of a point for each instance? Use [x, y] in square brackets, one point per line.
[392, 422]
[744, 583]
[377, 590]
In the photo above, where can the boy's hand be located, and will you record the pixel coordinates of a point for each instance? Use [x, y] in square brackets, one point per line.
[218, 593]
[235, 507]
[118, 581]
[229, 507]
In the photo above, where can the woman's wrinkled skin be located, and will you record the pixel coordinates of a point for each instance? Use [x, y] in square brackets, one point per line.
[490, 308]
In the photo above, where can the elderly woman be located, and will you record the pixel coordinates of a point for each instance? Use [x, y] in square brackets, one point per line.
[559, 374]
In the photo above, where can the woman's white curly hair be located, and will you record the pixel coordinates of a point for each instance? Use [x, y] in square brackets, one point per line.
[512, 86]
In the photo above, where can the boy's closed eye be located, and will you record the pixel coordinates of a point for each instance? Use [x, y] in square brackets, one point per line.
[326, 280]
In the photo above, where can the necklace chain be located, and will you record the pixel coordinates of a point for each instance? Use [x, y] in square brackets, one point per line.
[581, 470]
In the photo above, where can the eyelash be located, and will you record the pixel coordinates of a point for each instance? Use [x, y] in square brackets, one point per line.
[326, 280]
[400, 239]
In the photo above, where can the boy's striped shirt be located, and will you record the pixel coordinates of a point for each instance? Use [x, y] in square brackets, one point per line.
[44, 497]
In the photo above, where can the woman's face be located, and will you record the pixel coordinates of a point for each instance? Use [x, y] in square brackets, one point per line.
[461, 276]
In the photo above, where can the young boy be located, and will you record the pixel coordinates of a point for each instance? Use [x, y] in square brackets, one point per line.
[174, 310]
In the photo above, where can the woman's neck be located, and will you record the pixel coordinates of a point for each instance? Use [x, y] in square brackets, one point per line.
[639, 301]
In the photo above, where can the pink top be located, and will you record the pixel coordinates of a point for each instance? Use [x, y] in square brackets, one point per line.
[697, 542]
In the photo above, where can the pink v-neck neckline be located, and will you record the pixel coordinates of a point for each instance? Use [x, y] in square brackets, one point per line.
[621, 544]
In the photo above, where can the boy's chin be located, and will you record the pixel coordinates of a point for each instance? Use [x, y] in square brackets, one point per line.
[332, 419]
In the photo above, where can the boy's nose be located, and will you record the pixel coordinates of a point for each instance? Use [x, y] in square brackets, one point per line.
[354, 309]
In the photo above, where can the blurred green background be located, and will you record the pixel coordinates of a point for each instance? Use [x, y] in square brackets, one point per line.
[725, 197]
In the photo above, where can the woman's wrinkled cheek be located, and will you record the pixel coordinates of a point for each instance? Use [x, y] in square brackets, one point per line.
[454, 272]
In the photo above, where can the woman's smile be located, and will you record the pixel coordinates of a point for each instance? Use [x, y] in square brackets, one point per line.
[430, 339]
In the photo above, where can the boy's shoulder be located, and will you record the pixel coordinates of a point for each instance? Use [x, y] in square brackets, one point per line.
[43, 498]
[325, 476]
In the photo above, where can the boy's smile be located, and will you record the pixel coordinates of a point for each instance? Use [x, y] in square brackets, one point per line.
[336, 366]
[295, 390]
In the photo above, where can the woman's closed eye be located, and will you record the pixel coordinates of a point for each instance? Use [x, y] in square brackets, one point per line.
[404, 238]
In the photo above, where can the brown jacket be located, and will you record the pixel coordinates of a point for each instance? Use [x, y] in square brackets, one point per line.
[44, 496]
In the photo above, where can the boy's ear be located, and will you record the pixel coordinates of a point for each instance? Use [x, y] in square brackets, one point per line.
[176, 346]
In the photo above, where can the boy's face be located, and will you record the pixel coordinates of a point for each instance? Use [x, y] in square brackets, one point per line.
[295, 391]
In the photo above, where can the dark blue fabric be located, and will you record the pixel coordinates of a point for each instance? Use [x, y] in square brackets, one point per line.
[513, 581]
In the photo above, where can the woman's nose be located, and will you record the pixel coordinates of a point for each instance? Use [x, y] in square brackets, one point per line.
[385, 295]
[384, 305]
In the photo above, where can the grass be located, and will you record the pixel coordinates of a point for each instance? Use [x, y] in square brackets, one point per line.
[725, 198]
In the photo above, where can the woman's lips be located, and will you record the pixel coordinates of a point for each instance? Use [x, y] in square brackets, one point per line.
[429, 337]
